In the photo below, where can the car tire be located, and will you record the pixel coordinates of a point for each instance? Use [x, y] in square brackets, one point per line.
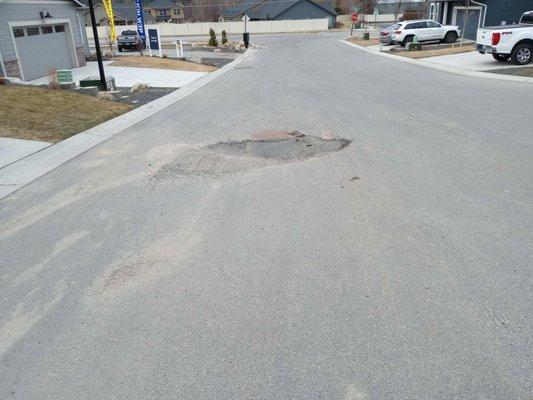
[119, 49]
[451, 37]
[408, 39]
[501, 57]
[522, 54]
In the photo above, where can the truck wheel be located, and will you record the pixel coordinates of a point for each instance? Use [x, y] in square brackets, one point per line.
[408, 39]
[501, 57]
[450, 37]
[522, 54]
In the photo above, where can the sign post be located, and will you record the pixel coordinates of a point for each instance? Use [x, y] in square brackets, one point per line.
[245, 35]
[103, 82]
[355, 17]
[179, 48]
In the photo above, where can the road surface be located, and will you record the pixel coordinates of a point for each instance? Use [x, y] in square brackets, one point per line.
[160, 265]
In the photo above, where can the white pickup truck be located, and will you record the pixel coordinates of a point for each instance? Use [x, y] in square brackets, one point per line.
[505, 42]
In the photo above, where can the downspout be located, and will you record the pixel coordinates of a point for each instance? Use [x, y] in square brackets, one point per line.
[4, 73]
[484, 14]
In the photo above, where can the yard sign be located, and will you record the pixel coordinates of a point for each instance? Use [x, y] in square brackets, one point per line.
[111, 19]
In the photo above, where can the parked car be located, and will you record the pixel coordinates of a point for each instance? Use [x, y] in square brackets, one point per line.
[129, 40]
[385, 34]
[425, 30]
[506, 42]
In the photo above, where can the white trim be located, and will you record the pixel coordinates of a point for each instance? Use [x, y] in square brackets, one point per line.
[48, 21]
[3, 66]
[445, 13]
[40, 2]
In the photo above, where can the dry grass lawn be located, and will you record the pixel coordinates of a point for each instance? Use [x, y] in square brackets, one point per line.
[436, 52]
[28, 112]
[362, 42]
[161, 63]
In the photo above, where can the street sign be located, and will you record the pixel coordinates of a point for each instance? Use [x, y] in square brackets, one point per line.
[355, 17]
[245, 18]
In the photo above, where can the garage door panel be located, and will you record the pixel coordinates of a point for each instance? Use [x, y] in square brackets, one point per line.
[41, 53]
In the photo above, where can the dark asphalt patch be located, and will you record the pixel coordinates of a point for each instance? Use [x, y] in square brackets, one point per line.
[234, 157]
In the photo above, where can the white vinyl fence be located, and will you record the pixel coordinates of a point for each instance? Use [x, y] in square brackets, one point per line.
[202, 28]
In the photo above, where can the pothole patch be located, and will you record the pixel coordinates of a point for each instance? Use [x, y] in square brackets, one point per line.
[267, 148]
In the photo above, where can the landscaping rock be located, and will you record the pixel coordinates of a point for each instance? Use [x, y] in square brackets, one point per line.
[67, 85]
[89, 90]
[106, 96]
[139, 87]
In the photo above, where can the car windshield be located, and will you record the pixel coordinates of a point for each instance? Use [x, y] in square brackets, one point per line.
[128, 33]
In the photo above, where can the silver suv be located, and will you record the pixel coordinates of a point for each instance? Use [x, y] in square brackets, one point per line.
[424, 30]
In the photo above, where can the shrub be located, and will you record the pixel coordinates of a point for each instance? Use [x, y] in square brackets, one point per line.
[212, 38]
[411, 14]
[224, 37]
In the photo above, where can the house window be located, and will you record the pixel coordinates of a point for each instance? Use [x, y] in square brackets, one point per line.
[18, 32]
[434, 11]
[46, 29]
[60, 28]
[32, 31]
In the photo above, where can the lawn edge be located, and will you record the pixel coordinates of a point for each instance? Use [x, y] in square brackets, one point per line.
[24, 171]
[453, 70]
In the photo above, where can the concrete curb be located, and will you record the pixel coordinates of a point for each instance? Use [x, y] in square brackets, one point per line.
[453, 70]
[18, 174]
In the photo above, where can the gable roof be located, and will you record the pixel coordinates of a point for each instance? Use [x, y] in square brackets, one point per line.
[164, 3]
[268, 9]
[123, 11]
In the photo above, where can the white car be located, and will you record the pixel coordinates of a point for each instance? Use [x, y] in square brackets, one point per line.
[505, 42]
[425, 30]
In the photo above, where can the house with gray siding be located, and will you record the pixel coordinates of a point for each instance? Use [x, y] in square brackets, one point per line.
[473, 14]
[38, 37]
[272, 10]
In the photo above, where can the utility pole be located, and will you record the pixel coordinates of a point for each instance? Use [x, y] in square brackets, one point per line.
[103, 82]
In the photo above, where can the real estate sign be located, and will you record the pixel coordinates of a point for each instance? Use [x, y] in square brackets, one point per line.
[140, 19]
[154, 41]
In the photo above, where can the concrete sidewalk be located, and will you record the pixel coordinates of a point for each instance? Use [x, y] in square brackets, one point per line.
[12, 150]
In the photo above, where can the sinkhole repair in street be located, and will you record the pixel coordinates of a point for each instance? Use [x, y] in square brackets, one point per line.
[267, 148]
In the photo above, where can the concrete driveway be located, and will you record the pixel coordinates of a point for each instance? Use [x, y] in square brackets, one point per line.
[472, 61]
[128, 76]
[166, 263]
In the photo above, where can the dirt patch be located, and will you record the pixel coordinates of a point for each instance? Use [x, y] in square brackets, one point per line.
[435, 52]
[28, 112]
[233, 157]
[362, 42]
[516, 71]
[161, 63]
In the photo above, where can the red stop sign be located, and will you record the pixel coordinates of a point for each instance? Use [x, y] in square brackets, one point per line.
[354, 17]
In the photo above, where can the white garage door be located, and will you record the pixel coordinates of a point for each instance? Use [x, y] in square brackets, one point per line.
[42, 49]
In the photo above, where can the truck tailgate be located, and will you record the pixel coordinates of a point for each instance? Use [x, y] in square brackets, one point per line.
[484, 36]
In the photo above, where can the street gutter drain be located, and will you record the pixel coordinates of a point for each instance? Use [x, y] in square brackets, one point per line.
[233, 157]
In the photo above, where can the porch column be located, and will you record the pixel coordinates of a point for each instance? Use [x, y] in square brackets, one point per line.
[445, 13]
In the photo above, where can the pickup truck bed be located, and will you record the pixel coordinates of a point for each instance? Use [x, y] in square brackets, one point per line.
[514, 26]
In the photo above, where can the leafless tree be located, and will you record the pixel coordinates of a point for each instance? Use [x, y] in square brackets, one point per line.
[398, 8]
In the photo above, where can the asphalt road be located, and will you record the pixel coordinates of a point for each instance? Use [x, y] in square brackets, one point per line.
[399, 267]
